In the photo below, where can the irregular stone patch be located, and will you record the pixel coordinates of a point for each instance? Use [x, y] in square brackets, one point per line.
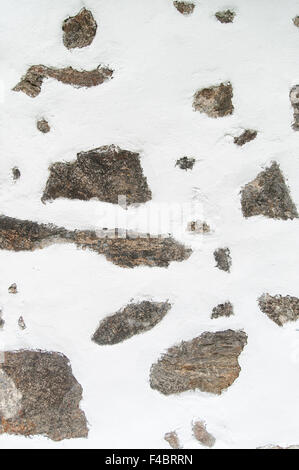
[2, 322]
[186, 8]
[294, 97]
[208, 363]
[43, 126]
[196, 226]
[268, 195]
[172, 439]
[245, 137]
[280, 309]
[225, 16]
[223, 259]
[223, 310]
[215, 101]
[104, 173]
[40, 395]
[80, 30]
[126, 249]
[202, 435]
[13, 288]
[21, 323]
[15, 173]
[185, 163]
[296, 21]
[130, 321]
[31, 83]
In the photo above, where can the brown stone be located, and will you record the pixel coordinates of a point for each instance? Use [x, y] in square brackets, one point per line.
[13, 288]
[196, 226]
[43, 126]
[280, 309]
[104, 173]
[172, 439]
[245, 137]
[296, 21]
[268, 195]
[185, 163]
[223, 259]
[294, 98]
[31, 83]
[21, 323]
[80, 30]
[39, 395]
[215, 101]
[223, 310]
[186, 8]
[202, 435]
[225, 16]
[208, 363]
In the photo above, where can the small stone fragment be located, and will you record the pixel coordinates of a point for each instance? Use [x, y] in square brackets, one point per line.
[80, 30]
[208, 363]
[2, 322]
[202, 435]
[225, 16]
[296, 21]
[268, 195]
[43, 126]
[103, 173]
[215, 101]
[185, 163]
[223, 310]
[31, 83]
[196, 226]
[280, 309]
[186, 8]
[172, 439]
[13, 289]
[132, 320]
[294, 97]
[223, 259]
[245, 137]
[45, 398]
[21, 323]
[16, 173]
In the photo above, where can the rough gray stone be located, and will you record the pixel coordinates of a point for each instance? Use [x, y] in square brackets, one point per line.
[43, 126]
[202, 435]
[245, 137]
[215, 101]
[130, 321]
[225, 16]
[196, 226]
[80, 30]
[296, 21]
[280, 309]
[294, 98]
[39, 395]
[223, 259]
[208, 363]
[104, 173]
[13, 288]
[186, 8]
[223, 310]
[172, 439]
[2, 322]
[21, 323]
[185, 163]
[268, 195]
[16, 173]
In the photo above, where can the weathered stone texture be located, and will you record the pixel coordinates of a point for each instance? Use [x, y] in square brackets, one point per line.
[172, 439]
[296, 21]
[43, 126]
[245, 137]
[268, 195]
[215, 101]
[294, 97]
[21, 323]
[280, 309]
[32, 81]
[104, 173]
[13, 288]
[223, 259]
[223, 310]
[39, 395]
[186, 8]
[202, 435]
[208, 363]
[225, 16]
[196, 226]
[132, 320]
[16, 174]
[80, 30]
[185, 163]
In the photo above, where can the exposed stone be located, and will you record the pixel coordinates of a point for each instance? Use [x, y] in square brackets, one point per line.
[21, 323]
[186, 8]
[245, 137]
[202, 435]
[13, 289]
[296, 21]
[104, 173]
[294, 97]
[16, 173]
[280, 309]
[39, 395]
[196, 226]
[185, 163]
[80, 30]
[132, 320]
[208, 363]
[223, 259]
[31, 83]
[215, 101]
[2, 322]
[223, 310]
[43, 126]
[225, 16]
[268, 195]
[172, 439]
[123, 248]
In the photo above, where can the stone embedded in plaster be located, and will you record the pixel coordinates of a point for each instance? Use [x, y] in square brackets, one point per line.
[223, 310]
[215, 101]
[186, 8]
[245, 137]
[223, 259]
[280, 309]
[202, 435]
[80, 30]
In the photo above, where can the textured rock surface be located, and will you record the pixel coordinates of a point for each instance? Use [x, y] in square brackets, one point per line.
[280, 309]
[223, 259]
[294, 97]
[2, 322]
[172, 439]
[21, 323]
[129, 251]
[223, 310]
[268, 195]
[196, 226]
[16, 173]
[80, 30]
[185, 163]
[215, 101]
[296, 21]
[39, 395]
[103, 173]
[208, 363]
[32, 81]
[13, 288]
[225, 16]
[132, 320]
[245, 137]
[202, 435]
[43, 126]
[186, 8]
